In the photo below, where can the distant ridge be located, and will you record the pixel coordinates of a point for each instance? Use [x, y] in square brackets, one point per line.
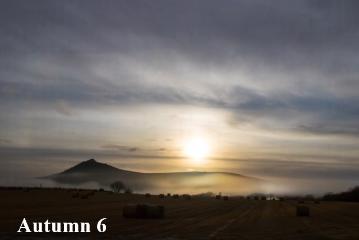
[92, 171]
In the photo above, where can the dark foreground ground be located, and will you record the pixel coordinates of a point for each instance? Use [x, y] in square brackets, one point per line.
[185, 219]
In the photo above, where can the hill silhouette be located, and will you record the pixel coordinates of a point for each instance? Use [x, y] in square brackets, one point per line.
[352, 195]
[92, 166]
[104, 174]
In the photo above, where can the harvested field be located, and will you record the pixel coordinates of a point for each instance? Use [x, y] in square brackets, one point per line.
[200, 218]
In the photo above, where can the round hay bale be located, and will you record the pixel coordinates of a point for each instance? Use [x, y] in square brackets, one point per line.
[84, 196]
[154, 211]
[162, 195]
[130, 211]
[302, 211]
[128, 191]
[187, 196]
[175, 196]
[147, 195]
[225, 198]
[143, 211]
[75, 195]
[218, 197]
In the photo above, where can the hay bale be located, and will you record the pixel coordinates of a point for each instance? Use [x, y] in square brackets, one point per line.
[128, 191]
[85, 196]
[168, 194]
[225, 198]
[147, 195]
[130, 211]
[303, 211]
[162, 195]
[218, 197]
[143, 211]
[187, 196]
[75, 195]
[154, 211]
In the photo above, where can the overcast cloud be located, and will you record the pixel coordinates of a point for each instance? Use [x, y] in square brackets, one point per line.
[73, 69]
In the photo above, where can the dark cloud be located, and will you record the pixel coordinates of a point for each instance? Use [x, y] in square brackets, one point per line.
[315, 114]
[121, 148]
[301, 33]
[50, 49]
[331, 129]
[5, 141]
[133, 149]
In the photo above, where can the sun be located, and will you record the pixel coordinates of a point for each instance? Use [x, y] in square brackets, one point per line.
[196, 149]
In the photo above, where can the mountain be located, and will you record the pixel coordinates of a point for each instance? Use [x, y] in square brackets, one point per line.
[91, 171]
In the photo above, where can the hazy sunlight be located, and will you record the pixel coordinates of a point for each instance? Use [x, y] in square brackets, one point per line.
[197, 150]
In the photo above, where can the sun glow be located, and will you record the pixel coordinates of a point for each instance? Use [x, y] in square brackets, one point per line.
[197, 150]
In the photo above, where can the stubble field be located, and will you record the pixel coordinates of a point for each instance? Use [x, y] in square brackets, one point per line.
[198, 218]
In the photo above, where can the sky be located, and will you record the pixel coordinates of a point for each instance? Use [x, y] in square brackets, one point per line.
[272, 87]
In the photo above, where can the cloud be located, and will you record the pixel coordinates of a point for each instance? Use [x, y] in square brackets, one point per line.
[277, 66]
[120, 147]
[5, 141]
[131, 149]
[63, 107]
[315, 114]
[134, 45]
[333, 129]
